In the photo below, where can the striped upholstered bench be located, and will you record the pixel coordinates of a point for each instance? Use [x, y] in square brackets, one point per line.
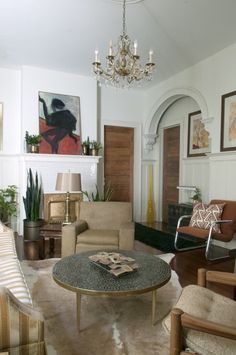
[21, 327]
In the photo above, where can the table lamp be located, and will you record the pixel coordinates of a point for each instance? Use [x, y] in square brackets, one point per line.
[68, 182]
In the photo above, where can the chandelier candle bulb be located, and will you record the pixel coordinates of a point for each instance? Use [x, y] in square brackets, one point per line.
[110, 48]
[135, 47]
[96, 56]
[150, 56]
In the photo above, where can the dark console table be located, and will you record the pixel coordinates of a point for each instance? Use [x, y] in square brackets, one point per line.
[176, 210]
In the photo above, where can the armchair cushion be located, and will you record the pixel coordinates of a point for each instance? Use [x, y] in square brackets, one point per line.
[203, 215]
[99, 236]
[206, 304]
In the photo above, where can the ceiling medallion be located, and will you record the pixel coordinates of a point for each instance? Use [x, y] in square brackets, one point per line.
[123, 68]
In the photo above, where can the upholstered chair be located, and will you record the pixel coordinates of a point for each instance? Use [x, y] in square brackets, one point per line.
[203, 322]
[101, 226]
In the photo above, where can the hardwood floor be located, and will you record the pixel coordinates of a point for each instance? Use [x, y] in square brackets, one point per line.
[185, 264]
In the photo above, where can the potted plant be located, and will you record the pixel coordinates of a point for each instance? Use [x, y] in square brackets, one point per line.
[8, 203]
[97, 197]
[32, 142]
[197, 196]
[95, 147]
[85, 146]
[32, 203]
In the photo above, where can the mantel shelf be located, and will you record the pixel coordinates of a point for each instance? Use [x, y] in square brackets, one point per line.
[53, 157]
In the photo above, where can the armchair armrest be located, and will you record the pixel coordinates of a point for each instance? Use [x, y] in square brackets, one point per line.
[222, 221]
[30, 328]
[182, 218]
[126, 236]
[225, 278]
[69, 236]
[205, 326]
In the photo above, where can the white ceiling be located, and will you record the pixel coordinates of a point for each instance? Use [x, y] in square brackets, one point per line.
[63, 34]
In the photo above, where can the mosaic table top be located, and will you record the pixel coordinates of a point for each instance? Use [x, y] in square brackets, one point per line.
[78, 273]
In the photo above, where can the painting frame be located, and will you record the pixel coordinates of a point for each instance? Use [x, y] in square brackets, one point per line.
[197, 149]
[228, 122]
[59, 123]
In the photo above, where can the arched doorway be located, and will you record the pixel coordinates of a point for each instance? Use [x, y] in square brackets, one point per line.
[171, 111]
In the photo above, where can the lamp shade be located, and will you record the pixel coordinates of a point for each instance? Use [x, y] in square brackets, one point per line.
[68, 182]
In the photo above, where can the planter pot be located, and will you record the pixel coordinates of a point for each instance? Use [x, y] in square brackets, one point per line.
[32, 148]
[85, 150]
[94, 152]
[32, 229]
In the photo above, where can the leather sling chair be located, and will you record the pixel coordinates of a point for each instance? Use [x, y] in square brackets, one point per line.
[227, 225]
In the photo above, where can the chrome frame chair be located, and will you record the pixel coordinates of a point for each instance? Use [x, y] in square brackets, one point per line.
[209, 235]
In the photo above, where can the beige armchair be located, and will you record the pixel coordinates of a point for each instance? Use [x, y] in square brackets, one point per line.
[203, 322]
[102, 225]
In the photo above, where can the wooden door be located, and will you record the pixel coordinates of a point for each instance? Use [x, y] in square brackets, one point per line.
[118, 161]
[170, 169]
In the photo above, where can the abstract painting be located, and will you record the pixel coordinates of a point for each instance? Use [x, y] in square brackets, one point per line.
[59, 123]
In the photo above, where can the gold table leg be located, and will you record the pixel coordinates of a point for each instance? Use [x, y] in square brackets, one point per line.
[78, 303]
[154, 306]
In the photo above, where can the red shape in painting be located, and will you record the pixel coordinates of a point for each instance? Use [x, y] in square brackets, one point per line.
[67, 145]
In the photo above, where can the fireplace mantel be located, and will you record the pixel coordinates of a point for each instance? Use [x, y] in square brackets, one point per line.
[14, 172]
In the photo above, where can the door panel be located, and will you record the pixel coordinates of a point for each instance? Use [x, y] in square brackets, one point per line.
[118, 161]
[170, 169]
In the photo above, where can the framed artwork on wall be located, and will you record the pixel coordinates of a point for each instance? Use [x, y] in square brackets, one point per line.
[228, 122]
[198, 136]
[1, 126]
[59, 123]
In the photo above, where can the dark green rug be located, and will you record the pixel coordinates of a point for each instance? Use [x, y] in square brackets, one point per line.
[160, 240]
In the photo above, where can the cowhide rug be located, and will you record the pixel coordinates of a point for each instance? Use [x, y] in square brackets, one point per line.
[109, 326]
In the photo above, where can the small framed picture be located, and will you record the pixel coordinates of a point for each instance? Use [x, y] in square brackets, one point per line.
[198, 136]
[228, 122]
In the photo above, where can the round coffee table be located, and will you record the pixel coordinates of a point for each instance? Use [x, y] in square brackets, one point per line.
[77, 273]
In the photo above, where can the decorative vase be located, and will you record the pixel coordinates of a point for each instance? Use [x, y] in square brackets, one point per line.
[150, 208]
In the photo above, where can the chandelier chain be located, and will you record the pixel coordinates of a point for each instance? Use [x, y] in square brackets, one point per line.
[124, 19]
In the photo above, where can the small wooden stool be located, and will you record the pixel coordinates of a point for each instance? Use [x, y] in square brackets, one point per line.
[51, 231]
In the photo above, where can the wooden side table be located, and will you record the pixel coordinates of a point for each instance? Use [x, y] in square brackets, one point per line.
[51, 232]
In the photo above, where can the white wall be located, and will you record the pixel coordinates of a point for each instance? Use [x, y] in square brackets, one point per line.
[10, 96]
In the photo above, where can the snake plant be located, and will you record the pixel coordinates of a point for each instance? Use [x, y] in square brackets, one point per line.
[32, 200]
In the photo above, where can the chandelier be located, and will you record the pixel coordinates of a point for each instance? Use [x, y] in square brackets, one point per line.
[123, 67]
